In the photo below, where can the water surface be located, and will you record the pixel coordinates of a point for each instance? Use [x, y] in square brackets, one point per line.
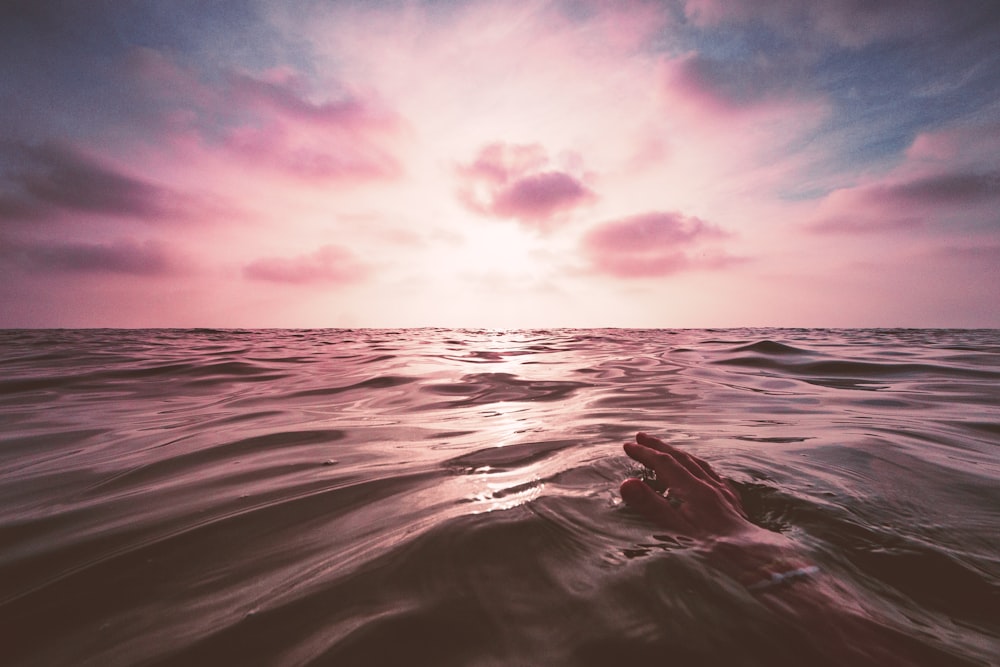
[449, 497]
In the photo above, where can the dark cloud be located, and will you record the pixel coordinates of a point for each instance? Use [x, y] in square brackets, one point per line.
[329, 264]
[735, 84]
[55, 178]
[126, 256]
[517, 181]
[944, 189]
[18, 207]
[988, 254]
[852, 23]
[65, 178]
[654, 244]
[863, 224]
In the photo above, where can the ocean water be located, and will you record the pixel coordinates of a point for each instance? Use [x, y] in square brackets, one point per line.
[450, 497]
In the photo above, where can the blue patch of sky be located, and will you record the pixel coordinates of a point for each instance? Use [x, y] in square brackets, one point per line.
[882, 95]
[62, 63]
[212, 37]
[888, 93]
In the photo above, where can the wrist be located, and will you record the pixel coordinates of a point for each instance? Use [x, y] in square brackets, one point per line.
[760, 560]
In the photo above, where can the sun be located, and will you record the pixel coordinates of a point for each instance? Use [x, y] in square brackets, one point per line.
[500, 249]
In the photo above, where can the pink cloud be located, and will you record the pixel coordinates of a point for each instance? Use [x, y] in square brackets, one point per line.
[975, 146]
[500, 163]
[623, 25]
[538, 197]
[909, 203]
[654, 244]
[308, 156]
[284, 93]
[516, 181]
[948, 177]
[329, 264]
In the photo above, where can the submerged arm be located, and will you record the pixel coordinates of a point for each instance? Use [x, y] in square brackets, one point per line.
[688, 498]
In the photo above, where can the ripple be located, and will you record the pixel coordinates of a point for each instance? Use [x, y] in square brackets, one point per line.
[510, 456]
[486, 388]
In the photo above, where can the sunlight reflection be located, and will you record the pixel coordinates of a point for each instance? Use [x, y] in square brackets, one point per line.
[505, 423]
[504, 490]
[502, 351]
[499, 489]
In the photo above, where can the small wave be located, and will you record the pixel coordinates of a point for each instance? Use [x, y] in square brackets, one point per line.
[511, 455]
[861, 370]
[770, 347]
[485, 388]
[380, 382]
[201, 459]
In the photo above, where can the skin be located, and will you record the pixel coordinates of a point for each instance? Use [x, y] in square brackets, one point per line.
[704, 505]
[688, 498]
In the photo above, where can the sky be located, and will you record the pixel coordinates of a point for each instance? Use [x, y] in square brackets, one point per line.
[540, 163]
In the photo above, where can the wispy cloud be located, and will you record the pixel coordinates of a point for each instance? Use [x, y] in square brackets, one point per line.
[57, 178]
[329, 265]
[270, 120]
[124, 256]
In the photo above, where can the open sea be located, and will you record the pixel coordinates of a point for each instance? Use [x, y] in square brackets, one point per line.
[450, 497]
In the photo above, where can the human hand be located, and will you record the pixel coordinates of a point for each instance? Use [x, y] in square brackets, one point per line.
[696, 502]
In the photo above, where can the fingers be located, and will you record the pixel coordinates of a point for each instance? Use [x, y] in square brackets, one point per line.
[697, 467]
[666, 467]
[639, 496]
[707, 503]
